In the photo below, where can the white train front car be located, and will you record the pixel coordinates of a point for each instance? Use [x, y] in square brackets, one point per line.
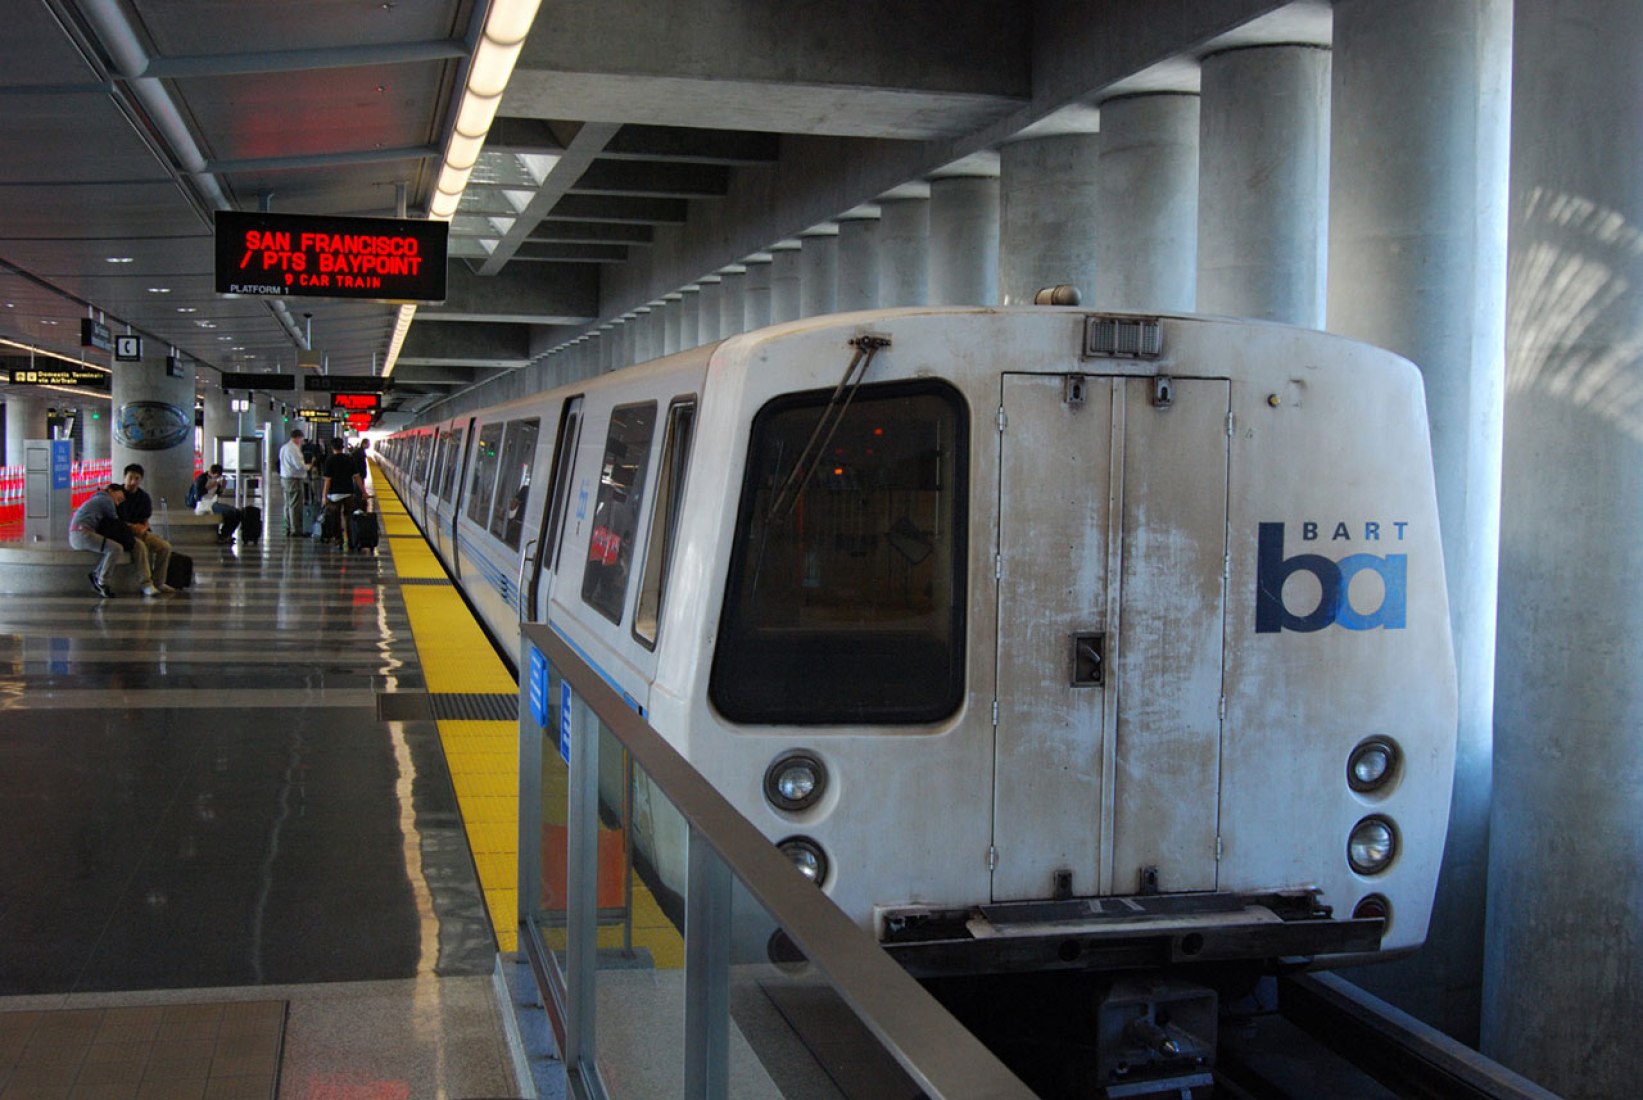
[1057, 609]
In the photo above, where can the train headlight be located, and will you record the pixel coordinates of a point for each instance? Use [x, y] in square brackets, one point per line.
[1372, 846]
[1372, 764]
[795, 781]
[807, 856]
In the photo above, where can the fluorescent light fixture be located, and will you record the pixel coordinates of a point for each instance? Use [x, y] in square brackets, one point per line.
[510, 20]
[474, 117]
[492, 66]
[463, 152]
[453, 180]
[33, 350]
[443, 205]
[119, 259]
[402, 325]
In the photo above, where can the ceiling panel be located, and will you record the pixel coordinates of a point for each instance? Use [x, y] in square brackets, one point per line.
[38, 52]
[361, 189]
[153, 257]
[325, 111]
[70, 136]
[191, 27]
[96, 209]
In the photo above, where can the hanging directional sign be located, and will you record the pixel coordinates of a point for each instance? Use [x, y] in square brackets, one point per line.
[64, 375]
[320, 416]
[315, 256]
[357, 402]
[128, 349]
[345, 383]
[264, 382]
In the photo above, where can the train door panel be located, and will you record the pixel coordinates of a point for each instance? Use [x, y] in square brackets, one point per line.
[1048, 749]
[545, 559]
[1112, 537]
[1167, 742]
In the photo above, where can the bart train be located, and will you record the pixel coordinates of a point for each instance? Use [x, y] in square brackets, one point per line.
[1046, 634]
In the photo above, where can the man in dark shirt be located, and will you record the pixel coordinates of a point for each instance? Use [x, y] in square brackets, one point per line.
[342, 482]
[137, 509]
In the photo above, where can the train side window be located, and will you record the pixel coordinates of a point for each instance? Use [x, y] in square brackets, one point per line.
[452, 461]
[436, 467]
[845, 601]
[514, 480]
[420, 460]
[616, 511]
[670, 490]
[485, 462]
[570, 427]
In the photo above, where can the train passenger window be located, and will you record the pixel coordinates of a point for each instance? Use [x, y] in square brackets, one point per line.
[453, 459]
[436, 466]
[570, 424]
[420, 461]
[616, 511]
[514, 480]
[846, 595]
[670, 490]
[486, 457]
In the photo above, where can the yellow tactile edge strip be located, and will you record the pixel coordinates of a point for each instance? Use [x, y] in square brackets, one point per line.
[483, 756]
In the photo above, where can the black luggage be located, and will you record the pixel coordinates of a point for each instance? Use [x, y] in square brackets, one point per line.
[362, 531]
[250, 523]
[180, 572]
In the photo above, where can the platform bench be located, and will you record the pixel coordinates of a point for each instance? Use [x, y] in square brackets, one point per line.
[55, 569]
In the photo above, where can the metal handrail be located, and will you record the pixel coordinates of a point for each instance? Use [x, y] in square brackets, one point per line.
[941, 1057]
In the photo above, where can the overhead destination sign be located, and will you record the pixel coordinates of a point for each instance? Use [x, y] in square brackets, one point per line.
[83, 377]
[345, 383]
[266, 382]
[315, 256]
[357, 402]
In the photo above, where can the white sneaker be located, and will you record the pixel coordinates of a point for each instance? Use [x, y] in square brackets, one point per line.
[150, 590]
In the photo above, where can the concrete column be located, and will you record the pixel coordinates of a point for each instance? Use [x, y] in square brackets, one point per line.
[858, 264]
[643, 345]
[786, 294]
[607, 345]
[690, 317]
[153, 425]
[732, 310]
[904, 247]
[819, 271]
[1417, 236]
[96, 437]
[1263, 187]
[671, 326]
[1049, 193]
[621, 353]
[1563, 973]
[219, 420]
[712, 310]
[1147, 242]
[756, 291]
[964, 241]
[25, 420]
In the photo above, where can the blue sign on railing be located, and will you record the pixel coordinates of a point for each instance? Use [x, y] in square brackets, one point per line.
[62, 463]
[536, 688]
[564, 721]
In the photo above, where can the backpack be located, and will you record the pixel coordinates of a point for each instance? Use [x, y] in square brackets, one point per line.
[194, 487]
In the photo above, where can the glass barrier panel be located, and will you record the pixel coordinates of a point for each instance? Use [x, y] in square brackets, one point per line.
[548, 911]
[639, 989]
[798, 1037]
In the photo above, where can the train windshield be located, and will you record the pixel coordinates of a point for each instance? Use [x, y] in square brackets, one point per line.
[845, 601]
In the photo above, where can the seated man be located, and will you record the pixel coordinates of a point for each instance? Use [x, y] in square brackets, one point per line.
[96, 526]
[136, 510]
[208, 486]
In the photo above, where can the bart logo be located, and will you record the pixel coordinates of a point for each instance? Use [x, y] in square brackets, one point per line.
[1334, 578]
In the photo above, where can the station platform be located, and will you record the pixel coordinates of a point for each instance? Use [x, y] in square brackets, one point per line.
[258, 837]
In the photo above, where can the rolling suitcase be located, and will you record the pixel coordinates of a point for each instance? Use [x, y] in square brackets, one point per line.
[331, 523]
[179, 573]
[362, 531]
[250, 523]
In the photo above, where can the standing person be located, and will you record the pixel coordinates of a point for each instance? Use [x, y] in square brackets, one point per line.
[137, 509]
[209, 486]
[342, 483]
[96, 526]
[294, 483]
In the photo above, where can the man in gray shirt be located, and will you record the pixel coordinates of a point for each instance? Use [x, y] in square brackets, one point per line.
[96, 526]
